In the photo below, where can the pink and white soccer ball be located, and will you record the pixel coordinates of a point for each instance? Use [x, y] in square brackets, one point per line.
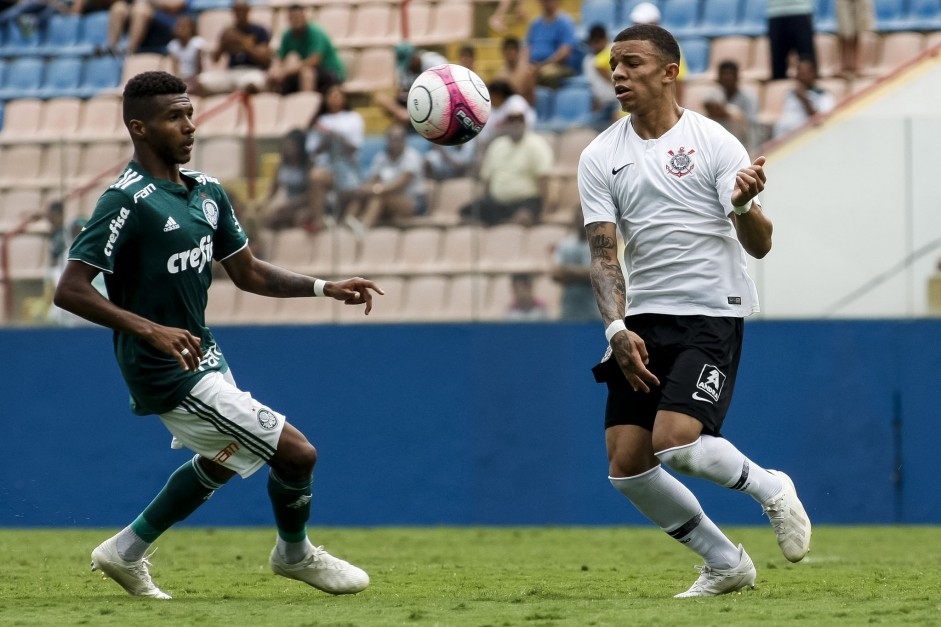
[448, 104]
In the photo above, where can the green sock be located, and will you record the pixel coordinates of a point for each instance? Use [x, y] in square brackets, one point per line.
[187, 488]
[291, 504]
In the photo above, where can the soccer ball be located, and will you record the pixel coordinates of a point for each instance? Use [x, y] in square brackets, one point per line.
[448, 104]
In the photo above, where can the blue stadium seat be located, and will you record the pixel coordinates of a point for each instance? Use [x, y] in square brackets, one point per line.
[754, 20]
[16, 44]
[890, 15]
[924, 15]
[572, 107]
[680, 17]
[602, 12]
[720, 18]
[545, 103]
[61, 37]
[696, 52]
[198, 6]
[824, 16]
[23, 78]
[100, 73]
[94, 31]
[418, 142]
[63, 78]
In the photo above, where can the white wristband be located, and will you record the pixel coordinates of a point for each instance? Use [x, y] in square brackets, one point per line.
[318, 287]
[614, 328]
[742, 210]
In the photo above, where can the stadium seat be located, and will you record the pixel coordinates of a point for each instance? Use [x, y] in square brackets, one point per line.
[754, 21]
[453, 21]
[21, 166]
[418, 251]
[330, 248]
[897, 50]
[696, 51]
[374, 25]
[94, 31]
[222, 307]
[62, 78]
[452, 194]
[18, 44]
[540, 246]
[824, 16]
[375, 71]
[720, 18]
[838, 87]
[545, 102]
[265, 110]
[568, 148]
[378, 252]
[220, 116]
[24, 78]
[693, 96]
[309, 310]
[603, 12]
[759, 68]
[22, 119]
[101, 160]
[294, 249]
[890, 15]
[501, 248]
[297, 110]
[680, 17]
[201, 6]
[571, 107]
[418, 21]
[63, 37]
[772, 100]
[220, 157]
[134, 64]
[923, 15]
[564, 191]
[27, 257]
[390, 305]
[101, 74]
[17, 204]
[932, 40]
[459, 249]
[101, 119]
[465, 297]
[424, 299]
[212, 22]
[829, 59]
[336, 19]
[498, 298]
[735, 48]
[255, 309]
[60, 118]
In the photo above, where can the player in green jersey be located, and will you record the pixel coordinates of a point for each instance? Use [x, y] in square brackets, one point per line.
[154, 233]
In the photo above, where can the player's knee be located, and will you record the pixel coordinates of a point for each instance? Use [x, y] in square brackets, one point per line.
[682, 458]
[295, 463]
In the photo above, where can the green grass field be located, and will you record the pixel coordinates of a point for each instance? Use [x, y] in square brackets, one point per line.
[480, 576]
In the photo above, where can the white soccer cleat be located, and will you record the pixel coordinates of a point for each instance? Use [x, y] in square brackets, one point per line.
[322, 571]
[132, 576]
[789, 519]
[715, 581]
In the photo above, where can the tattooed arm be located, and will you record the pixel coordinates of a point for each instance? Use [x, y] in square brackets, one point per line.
[260, 277]
[607, 281]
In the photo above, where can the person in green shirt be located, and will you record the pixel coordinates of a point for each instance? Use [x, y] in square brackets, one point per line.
[154, 234]
[306, 59]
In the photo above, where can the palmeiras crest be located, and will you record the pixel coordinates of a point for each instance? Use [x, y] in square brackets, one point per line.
[211, 211]
[681, 162]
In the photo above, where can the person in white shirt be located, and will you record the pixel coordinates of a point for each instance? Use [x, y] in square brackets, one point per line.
[684, 196]
[803, 102]
[186, 52]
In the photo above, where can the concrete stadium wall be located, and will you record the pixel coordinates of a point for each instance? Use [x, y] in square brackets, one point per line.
[475, 424]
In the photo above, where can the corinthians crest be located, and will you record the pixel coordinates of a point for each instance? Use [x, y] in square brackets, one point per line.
[681, 162]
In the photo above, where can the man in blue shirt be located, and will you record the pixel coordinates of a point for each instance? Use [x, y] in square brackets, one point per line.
[551, 42]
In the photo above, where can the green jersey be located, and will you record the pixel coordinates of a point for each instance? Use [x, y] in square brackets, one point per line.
[155, 242]
[314, 41]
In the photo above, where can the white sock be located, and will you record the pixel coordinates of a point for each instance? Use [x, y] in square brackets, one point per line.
[131, 547]
[671, 506]
[293, 552]
[718, 460]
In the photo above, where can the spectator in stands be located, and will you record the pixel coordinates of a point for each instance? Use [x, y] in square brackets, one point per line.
[288, 203]
[447, 162]
[333, 141]
[148, 24]
[467, 56]
[186, 52]
[524, 306]
[790, 29]
[395, 190]
[806, 100]
[502, 99]
[732, 118]
[596, 67]
[306, 59]
[550, 40]
[571, 265]
[506, 12]
[735, 109]
[516, 70]
[246, 45]
[515, 172]
[852, 18]
[83, 7]
[410, 62]
[31, 15]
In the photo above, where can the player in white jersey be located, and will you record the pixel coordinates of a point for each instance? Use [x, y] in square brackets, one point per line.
[685, 198]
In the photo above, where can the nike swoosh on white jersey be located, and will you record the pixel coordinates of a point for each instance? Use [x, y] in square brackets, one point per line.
[702, 398]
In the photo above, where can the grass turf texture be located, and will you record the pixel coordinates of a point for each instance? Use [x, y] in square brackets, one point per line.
[480, 576]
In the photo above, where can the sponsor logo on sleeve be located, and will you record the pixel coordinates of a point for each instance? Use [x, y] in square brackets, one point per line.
[115, 227]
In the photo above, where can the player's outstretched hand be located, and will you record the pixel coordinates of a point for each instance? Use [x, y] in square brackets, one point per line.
[355, 291]
[180, 343]
[631, 352]
[749, 182]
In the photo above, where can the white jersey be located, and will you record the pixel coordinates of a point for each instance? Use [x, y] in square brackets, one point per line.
[671, 198]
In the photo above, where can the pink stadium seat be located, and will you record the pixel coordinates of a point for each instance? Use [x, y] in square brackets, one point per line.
[21, 165]
[386, 308]
[459, 249]
[772, 100]
[293, 249]
[297, 110]
[759, 69]
[378, 253]
[827, 46]
[897, 50]
[569, 148]
[332, 248]
[100, 158]
[21, 120]
[501, 248]
[134, 64]
[466, 294]
[418, 14]
[540, 246]
[101, 119]
[266, 108]
[306, 310]
[425, 298]
[451, 195]
[220, 157]
[17, 204]
[375, 71]
[222, 307]
[255, 309]
[374, 24]
[220, 116]
[27, 257]
[212, 22]
[336, 19]
[418, 250]
[60, 118]
[732, 48]
[452, 21]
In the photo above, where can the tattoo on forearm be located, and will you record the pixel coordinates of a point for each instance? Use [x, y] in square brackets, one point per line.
[607, 279]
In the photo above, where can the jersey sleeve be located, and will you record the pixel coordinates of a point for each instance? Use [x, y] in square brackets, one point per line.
[110, 227]
[230, 238]
[593, 191]
[730, 157]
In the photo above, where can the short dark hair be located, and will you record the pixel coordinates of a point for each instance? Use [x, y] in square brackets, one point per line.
[659, 37]
[511, 42]
[140, 91]
[728, 65]
[502, 87]
[596, 32]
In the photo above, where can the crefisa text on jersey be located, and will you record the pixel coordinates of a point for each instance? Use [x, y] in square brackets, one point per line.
[193, 259]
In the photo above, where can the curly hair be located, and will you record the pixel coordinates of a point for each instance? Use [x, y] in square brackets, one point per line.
[140, 91]
[660, 37]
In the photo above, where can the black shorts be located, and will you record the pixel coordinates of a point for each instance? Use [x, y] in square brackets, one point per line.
[694, 357]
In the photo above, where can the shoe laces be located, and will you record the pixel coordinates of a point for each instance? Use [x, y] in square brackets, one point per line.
[707, 576]
[775, 511]
[140, 569]
[321, 558]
